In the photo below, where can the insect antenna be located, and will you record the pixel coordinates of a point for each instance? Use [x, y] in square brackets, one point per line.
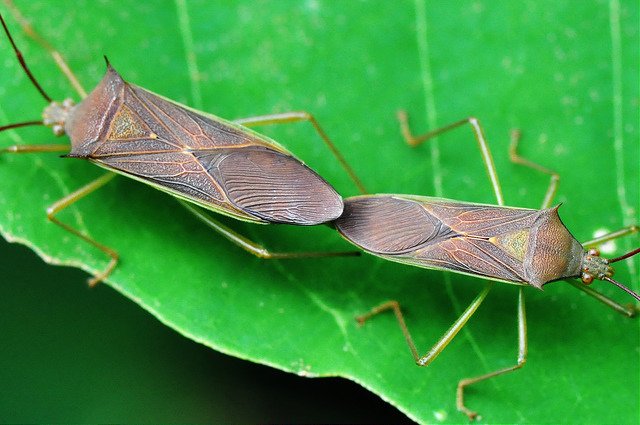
[20, 124]
[618, 284]
[625, 256]
[23, 64]
[624, 288]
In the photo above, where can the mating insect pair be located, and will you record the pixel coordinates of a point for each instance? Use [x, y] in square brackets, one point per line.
[225, 167]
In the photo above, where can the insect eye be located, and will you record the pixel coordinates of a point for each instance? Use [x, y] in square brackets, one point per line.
[587, 278]
[58, 130]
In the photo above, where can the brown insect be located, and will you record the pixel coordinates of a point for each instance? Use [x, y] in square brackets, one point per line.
[207, 161]
[506, 244]
[519, 246]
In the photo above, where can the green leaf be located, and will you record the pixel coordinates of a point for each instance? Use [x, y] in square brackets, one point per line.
[565, 74]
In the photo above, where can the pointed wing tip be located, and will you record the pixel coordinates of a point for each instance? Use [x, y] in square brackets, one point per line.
[302, 212]
[273, 186]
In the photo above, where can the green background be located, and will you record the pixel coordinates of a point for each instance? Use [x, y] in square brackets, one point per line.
[564, 73]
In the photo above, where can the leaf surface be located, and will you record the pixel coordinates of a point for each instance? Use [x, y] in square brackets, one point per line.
[566, 75]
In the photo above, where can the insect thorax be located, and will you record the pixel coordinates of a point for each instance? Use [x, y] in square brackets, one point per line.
[553, 253]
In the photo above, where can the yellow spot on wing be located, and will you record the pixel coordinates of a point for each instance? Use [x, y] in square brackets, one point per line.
[127, 125]
[513, 243]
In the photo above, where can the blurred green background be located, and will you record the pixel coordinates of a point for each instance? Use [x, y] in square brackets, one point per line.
[565, 73]
[73, 354]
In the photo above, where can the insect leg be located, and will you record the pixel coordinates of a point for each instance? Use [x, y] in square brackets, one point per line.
[626, 310]
[625, 231]
[456, 327]
[517, 159]
[31, 148]
[480, 138]
[296, 116]
[397, 311]
[443, 341]
[35, 148]
[57, 57]
[63, 203]
[522, 359]
[253, 247]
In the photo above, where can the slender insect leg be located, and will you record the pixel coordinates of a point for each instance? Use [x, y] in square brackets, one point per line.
[296, 116]
[522, 359]
[554, 180]
[57, 57]
[480, 138]
[35, 148]
[629, 310]
[57, 147]
[626, 310]
[443, 341]
[625, 231]
[63, 203]
[456, 327]
[253, 247]
[395, 307]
